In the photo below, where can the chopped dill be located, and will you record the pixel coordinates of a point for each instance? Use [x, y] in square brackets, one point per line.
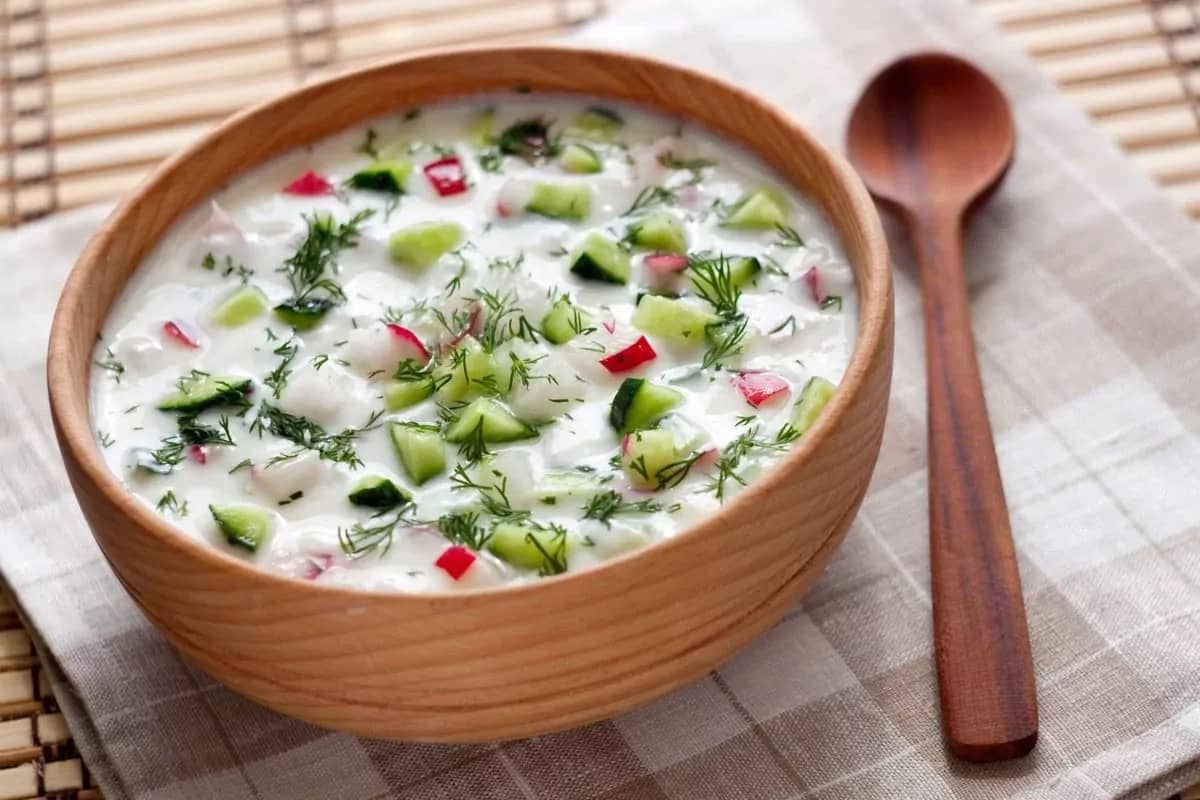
[712, 277]
[169, 502]
[245, 463]
[528, 138]
[649, 197]
[832, 301]
[361, 539]
[277, 378]
[368, 147]
[604, 506]
[790, 322]
[788, 236]
[190, 432]
[308, 269]
[112, 364]
[106, 441]
[308, 435]
[463, 528]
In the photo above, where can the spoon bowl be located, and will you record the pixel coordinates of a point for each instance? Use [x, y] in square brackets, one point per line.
[947, 109]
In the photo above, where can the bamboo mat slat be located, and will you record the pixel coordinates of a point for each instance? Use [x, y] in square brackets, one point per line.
[94, 92]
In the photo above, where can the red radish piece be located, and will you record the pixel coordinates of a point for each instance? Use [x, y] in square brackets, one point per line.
[626, 443]
[455, 561]
[310, 184]
[631, 357]
[609, 325]
[446, 176]
[317, 564]
[197, 453]
[665, 262]
[760, 387]
[473, 327]
[414, 350]
[816, 287]
[175, 331]
[707, 457]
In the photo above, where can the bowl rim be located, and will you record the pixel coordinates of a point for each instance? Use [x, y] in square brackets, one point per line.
[71, 409]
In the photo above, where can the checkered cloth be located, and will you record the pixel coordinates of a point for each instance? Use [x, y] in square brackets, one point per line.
[1086, 290]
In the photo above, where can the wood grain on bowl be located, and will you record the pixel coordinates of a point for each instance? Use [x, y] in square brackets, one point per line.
[501, 663]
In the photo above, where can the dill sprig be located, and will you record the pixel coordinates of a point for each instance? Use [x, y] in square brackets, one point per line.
[190, 432]
[361, 539]
[519, 371]
[553, 552]
[462, 527]
[712, 277]
[277, 378]
[671, 475]
[170, 502]
[503, 320]
[730, 461]
[832, 301]
[725, 339]
[368, 147]
[106, 439]
[392, 314]
[604, 506]
[474, 447]
[788, 236]
[308, 269]
[493, 497]
[112, 364]
[649, 197]
[308, 435]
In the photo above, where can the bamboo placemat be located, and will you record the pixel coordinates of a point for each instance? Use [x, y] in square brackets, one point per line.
[94, 92]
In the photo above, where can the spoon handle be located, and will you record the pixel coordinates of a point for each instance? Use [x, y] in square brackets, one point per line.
[981, 640]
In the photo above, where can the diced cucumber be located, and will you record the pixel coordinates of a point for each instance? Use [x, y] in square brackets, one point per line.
[469, 371]
[566, 483]
[375, 491]
[813, 397]
[560, 200]
[661, 231]
[580, 159]
[601, 259]
[597, 123]
[240, 307]
[420, 448]
[304, 315]
[564, 321]
[422, 244]
[762, 211]
[201, 391]
[480, 128]
[675, 320]
[383, 176]
[538, 549]
[493, 420]
[743, 270]
[398, 394]
[244, 525]
[639, 404]
[644, 455]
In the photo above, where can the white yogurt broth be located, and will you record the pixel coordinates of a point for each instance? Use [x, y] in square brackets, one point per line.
[572, 497]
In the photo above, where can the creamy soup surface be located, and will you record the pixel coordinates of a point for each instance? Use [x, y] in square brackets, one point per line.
[472, 345]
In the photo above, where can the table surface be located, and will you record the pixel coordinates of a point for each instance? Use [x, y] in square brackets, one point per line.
[70, 141]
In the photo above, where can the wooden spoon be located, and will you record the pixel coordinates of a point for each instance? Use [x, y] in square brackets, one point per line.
[931, 135]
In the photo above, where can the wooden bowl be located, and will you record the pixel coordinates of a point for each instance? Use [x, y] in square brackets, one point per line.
[501, 663]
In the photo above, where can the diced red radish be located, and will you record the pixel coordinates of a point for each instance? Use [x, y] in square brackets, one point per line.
[176, 332]
[760, 387]
[197, 453]
[414, 349]
[626, 443]
[816, 286]
[310, 184]
[317, 565]
[665, 262]
[455, 561]
[631, 357]
[446, 176]
[708, 456]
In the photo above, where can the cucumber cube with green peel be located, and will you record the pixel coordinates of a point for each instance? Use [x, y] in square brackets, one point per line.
[638, 404]
[762, 210]
[564, 321]
[493, 421]
[423, 244]
[601, 259]
[570, 201]
[383, 176]
[596, 123]
[420, 448]
[661, 231]
[645, 454]
[677, 320]
[813, 398]
[244, 525]
[240, 307]
[375, 491]
[304, 315]
[469, 371]
[531, 548]
[400, 394]
[580, 159]
[201, 391]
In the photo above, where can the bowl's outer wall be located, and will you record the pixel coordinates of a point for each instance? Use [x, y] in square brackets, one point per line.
[497, 664]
